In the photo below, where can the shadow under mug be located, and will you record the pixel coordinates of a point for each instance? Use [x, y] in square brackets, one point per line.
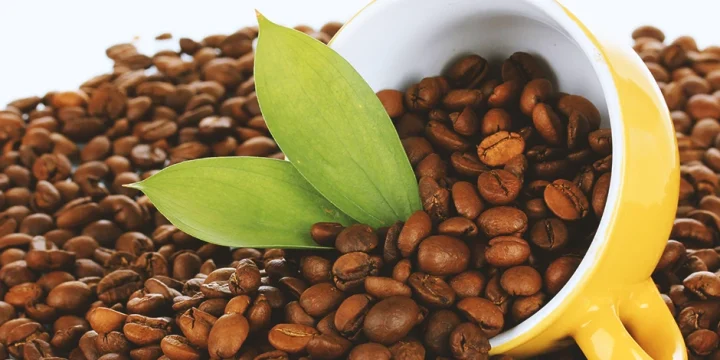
[610, 306]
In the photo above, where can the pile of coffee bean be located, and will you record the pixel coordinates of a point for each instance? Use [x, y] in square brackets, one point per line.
[689, 271]
[90, 270]
[513, 176]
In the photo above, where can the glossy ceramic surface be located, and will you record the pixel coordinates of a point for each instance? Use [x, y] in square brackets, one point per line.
[610, 307]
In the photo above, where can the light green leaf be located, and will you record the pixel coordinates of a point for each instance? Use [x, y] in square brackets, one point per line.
[240, 201]
[332, 127]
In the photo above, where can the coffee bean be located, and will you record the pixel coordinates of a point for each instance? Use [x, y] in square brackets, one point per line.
[431, 166]
[524, 307]
[391, 319]
[392, 100]
[383, 287]
[467, 164]
[466, 200]
[431, 290]
[178, 347]
[444, 138]
[70, 296]
[703, 284]
[225, 346]
[118, 285]
[483, 313]
[457, 99]
[439, 327]
[548, 125]
[535, 92]
[505, 94]
[443, 255]
[568, 104]
[549, 234]
[104, 320]
[326, 347]
[401, 271]
[467, 341]
[468, 283]
[458, 227]
[465, 123]
[370, 351]
[522, 66]
[356, 238]
[416, 228]
[502, 220]
[500, 147]
[325, 233]
[468, 71]
[521, 281]
[499, 187]
[291, 338]
[507, 251]
[320, 299]
[348, 318]
[559, 272]
[565, 200]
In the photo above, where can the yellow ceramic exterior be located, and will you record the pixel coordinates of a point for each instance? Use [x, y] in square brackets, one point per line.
[616, 296]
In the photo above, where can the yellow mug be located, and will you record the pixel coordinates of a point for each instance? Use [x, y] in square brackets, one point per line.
[610, 306]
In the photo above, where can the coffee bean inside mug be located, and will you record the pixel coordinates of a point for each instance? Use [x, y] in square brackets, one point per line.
[508, 167]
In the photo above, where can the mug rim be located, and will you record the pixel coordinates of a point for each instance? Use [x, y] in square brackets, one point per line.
[574, 29]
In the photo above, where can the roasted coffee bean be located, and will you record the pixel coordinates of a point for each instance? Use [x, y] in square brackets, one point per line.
[443, 255]
[325, 233]
[291, 338]
[383, 287]
[320, 299]
[431, 290]
[221, 345]
[466, 200]
[499, 187]
[467, 341]
[468, 283]
[327, 347]
[549, 234]
[704, 284]
[440, 325]
[415, 229]
[500, 147]
[502, 220]
[458, 227]
[349, 317]
[118, 285]
[483, 313]
[356, 238]
[559, 272]
[391, 319]
[104, 320]
[521, 281]
[392, 100]
[566, 200]
[196, 324]
[349, 270]
[524, 307]
[178, 347]
[70, 296]
[246, 278]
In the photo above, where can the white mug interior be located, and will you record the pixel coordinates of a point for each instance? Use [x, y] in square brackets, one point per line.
[395, 43]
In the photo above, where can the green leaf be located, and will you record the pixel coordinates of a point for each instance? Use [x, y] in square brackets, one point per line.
[332, 127]
[240, 201]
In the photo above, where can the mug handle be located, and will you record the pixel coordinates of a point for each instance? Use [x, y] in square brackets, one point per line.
[642, 312]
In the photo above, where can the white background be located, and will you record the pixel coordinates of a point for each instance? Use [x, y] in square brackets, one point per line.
[56, 45]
